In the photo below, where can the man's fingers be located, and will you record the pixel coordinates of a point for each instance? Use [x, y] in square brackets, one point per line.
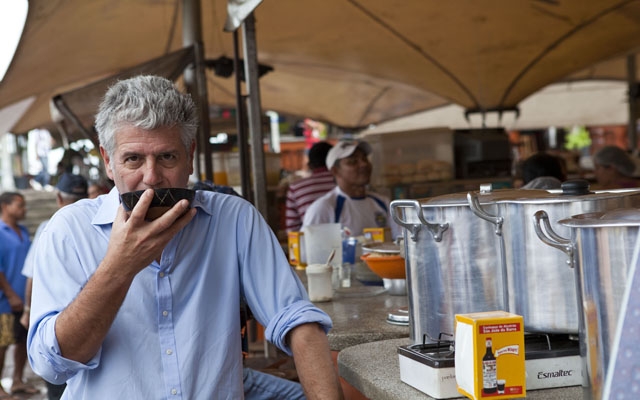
[140, 210]
[177, 217]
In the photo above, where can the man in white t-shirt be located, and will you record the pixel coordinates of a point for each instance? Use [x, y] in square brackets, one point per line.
[350, 203]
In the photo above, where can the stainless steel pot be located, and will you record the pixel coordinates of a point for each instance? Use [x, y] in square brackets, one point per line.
[456, 264]
[539, 286]
[452, 264]
[601, 247]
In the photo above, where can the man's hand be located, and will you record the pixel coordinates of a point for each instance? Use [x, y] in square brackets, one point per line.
[24, 318]
[14, 301]
[139, 241]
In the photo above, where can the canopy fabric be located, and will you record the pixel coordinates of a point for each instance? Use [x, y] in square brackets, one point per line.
[84, 101]
[585, 103]
[347, 62]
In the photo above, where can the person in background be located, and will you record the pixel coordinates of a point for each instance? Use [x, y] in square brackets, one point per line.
[303, 192]
[129, 308]
[69, 189]
[14, 245]
[43, 148]
[543, 171]
[95, 189]
[350, 203]
[614, 168]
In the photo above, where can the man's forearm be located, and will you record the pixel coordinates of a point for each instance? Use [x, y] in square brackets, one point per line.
[312, 357]
[14, 300]
[4, 284]
[83, 325]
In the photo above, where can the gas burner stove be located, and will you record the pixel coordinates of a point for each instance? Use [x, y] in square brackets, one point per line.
[399, 316]
[551, 361]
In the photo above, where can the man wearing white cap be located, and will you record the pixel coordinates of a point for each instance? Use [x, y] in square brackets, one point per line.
[350, 203]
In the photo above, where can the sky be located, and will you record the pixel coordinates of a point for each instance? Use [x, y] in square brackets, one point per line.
[13, 14]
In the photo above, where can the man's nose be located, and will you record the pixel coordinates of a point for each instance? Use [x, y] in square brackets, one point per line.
[152, 174]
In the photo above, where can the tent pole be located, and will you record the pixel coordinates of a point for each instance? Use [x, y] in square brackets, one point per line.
[196, 81]
[63, 108]
[632, 133]
[254, 114]
[243, 143]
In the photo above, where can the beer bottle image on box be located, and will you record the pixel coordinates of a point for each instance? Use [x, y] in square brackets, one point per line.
[489, 370]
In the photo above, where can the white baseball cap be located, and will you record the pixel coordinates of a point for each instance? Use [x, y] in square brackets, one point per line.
[345, 149]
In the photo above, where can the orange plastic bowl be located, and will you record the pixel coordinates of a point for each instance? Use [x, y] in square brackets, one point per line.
[386, 267]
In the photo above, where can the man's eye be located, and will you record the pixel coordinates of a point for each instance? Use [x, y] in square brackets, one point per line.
[132, 159]
[167, 157]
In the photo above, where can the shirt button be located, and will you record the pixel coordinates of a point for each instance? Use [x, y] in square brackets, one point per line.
[169, 352]
[165, 313]
[161, 274]
[174, 391]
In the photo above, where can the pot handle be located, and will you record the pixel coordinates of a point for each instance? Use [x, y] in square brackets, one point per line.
[435, 229]
[474, 205]
[550, 237]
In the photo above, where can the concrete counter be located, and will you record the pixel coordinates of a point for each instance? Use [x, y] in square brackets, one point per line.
[358, 320]
[359, 315]
[373, 369]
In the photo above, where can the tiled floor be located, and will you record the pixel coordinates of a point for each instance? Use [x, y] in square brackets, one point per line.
[29, 376]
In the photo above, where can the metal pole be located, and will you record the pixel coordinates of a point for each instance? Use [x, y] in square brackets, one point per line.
[196, 81]
[7, 181]
[243, 142]
[254, 113]
[632, 133]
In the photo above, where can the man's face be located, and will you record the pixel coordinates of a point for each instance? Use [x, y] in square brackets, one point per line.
[605, 175]
[149, 159]
[354, 170]
[16, 210]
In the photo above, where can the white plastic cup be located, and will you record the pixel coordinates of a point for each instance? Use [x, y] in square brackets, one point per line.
[319, 282]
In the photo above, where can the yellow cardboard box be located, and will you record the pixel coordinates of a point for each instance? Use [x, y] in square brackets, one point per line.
[489, 357]
[295, 243]
[377, 234]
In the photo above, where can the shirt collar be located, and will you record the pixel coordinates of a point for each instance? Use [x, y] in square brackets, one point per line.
[108, 209]
[340, 192]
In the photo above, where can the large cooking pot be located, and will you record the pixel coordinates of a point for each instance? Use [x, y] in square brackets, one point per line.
[452, 264]
[539, 286]
[602, 247]
[456, 264]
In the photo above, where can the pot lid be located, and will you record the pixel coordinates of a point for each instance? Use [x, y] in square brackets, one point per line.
[572, 190]
[382, 247]
[611, 218]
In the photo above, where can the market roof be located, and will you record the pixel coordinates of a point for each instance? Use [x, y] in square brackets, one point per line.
[347, 62]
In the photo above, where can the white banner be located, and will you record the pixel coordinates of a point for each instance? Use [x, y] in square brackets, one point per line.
[237, 11]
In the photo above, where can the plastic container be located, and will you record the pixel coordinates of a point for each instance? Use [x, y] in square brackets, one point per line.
[319, 282]
[320, 240]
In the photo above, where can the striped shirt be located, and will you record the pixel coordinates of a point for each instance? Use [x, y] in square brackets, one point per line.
[302, 193]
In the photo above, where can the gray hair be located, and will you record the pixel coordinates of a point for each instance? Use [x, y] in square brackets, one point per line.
[147, 102]
[614, 156]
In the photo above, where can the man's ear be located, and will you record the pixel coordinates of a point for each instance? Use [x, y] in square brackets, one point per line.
[107, 162]
[191, 155]
[336, 166]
